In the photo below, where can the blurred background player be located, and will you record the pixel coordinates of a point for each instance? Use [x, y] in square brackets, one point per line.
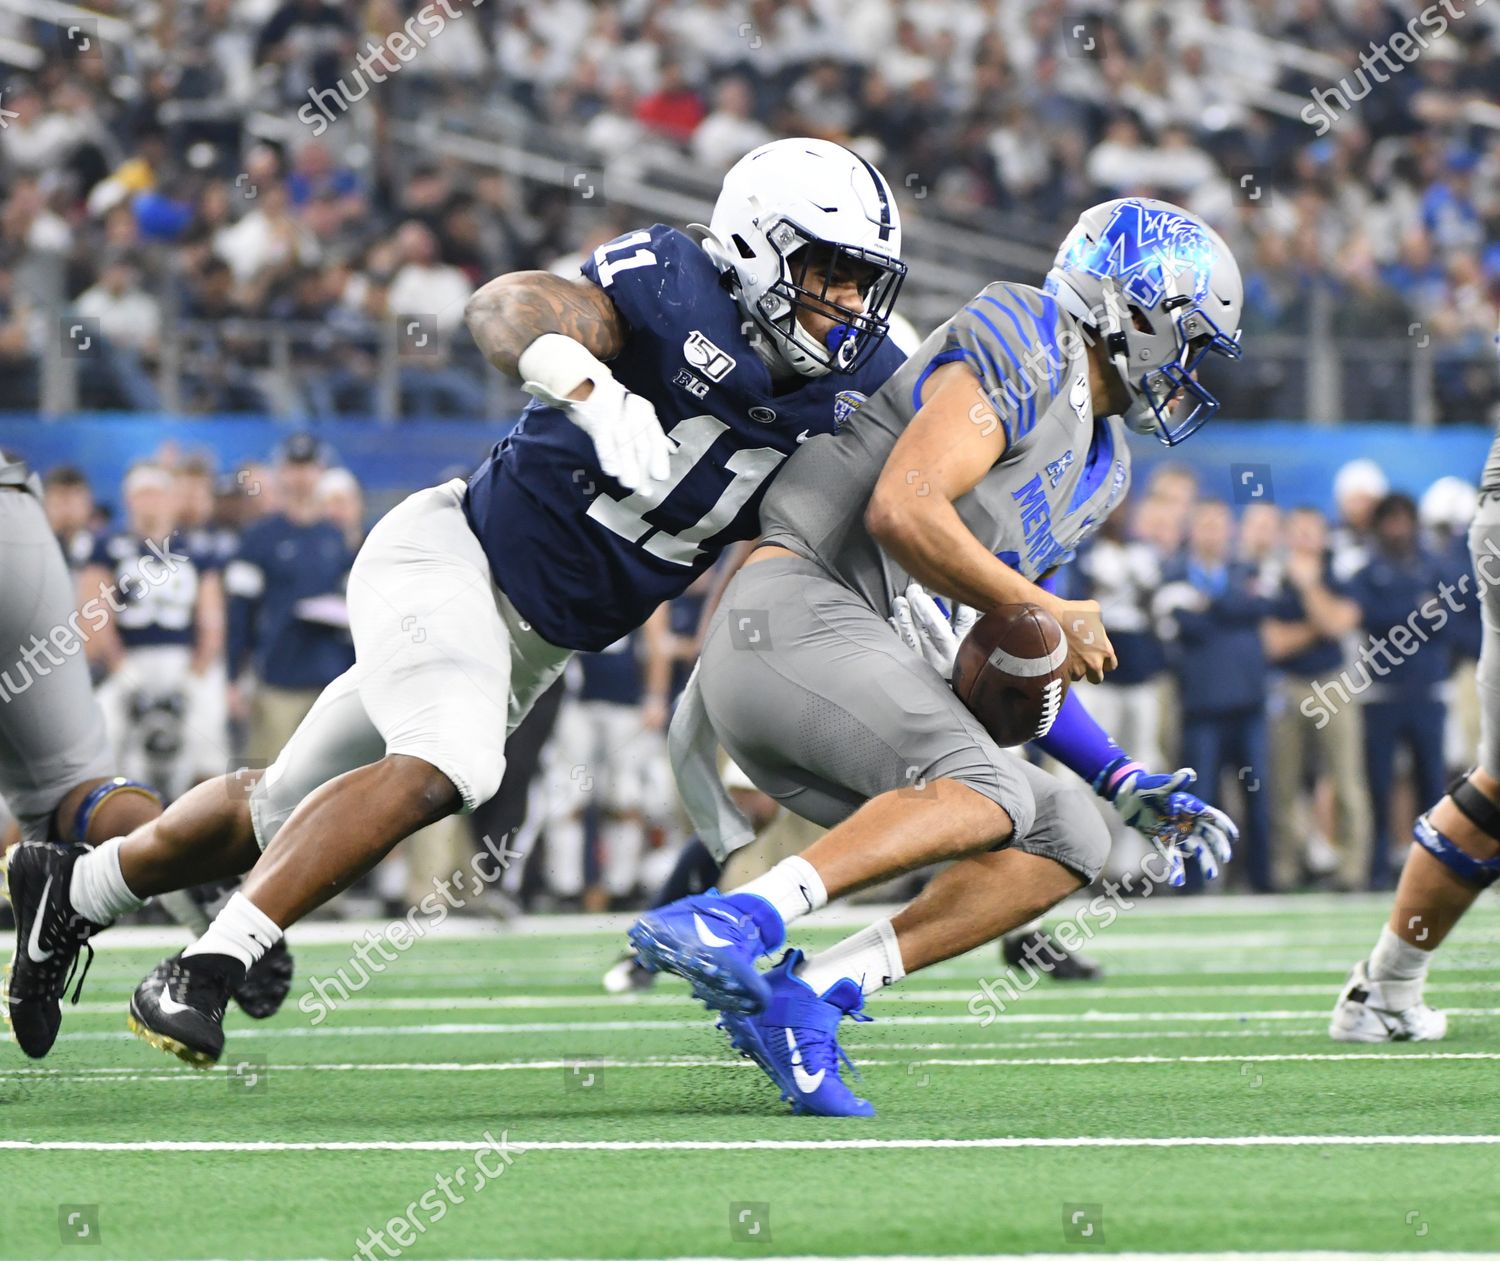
[167, 638]
[608, 765]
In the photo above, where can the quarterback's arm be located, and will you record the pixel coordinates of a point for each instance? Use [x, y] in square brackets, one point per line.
[952, 442]
[513, 310]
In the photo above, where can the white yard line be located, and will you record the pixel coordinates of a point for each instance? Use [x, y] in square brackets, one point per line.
[101, 1076]
[957, 994]
[448, 1028]
[1297, 1255]
[757, 1145]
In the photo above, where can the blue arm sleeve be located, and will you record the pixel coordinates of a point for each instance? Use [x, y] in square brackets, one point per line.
[1080, 743]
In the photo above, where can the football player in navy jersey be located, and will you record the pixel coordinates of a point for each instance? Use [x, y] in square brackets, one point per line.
[672, 380]
[168, 632]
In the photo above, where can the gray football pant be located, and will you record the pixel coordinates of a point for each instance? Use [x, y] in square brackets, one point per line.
[821, 704]
[51, 728]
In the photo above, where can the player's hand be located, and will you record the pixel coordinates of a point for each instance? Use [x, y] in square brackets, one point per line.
[925, 629]
[628, 438]
[1177, 822]
[1090, 654]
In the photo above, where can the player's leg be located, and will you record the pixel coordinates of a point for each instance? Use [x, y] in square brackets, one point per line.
[830, 713]
[439, 653]
[974, 901]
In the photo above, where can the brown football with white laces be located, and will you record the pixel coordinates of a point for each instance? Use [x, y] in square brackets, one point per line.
[1009, 672]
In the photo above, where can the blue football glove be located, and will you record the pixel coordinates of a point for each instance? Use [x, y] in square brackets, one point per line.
[1176, 822]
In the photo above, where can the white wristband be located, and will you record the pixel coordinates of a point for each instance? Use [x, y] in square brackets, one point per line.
[555, 365]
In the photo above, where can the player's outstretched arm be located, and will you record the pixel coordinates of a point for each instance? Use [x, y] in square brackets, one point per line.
[513, 310]
[554, 335]
[950, 444]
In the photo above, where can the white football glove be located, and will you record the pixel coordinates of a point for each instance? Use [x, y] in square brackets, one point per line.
[923, 628]
[1177, 822]
[625, 431]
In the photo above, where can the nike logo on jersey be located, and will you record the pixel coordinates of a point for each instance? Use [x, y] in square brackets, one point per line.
[804, 435]
[1078, 398]
[707, 935]
[34, 950]
[707, 358]
[806, 1082]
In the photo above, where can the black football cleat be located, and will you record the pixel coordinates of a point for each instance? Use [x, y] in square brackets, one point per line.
[1047, 956]
[179, 1007]
[266, 985]
[37, 877]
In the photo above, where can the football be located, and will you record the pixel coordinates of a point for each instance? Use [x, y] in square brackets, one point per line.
[1009, 672]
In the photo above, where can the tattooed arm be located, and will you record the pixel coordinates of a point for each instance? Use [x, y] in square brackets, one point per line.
[513, 310]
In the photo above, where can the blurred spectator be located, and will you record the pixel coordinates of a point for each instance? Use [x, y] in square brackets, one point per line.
[288, 626]
[1357, 488]
[1446, 510]
[1312, 615]
[343, 503]
[69, 503]
[1210, 609]
[1405, 661]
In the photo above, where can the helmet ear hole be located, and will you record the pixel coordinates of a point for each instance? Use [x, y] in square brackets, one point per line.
[743, 246]
[1138, 318]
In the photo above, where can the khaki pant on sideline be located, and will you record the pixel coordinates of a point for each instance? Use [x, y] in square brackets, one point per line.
[276, 712]
[1339, 750]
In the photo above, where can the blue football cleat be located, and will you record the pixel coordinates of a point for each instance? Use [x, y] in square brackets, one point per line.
[795, 1040]
[712, 941]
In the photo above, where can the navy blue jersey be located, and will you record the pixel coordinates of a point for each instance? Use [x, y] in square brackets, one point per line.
[584, 560]
[613, 675]
[156, 586]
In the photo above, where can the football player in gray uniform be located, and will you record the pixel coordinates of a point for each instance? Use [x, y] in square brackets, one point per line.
[1457, 851]
[976, 470]
[57, 774]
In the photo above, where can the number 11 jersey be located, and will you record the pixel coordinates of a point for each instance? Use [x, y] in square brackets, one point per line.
[584, 560]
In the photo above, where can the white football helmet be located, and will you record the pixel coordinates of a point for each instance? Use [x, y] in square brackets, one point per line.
[1165, 292]
[784, 197]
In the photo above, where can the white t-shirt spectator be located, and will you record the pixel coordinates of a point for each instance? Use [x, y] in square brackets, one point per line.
[131, 319]
[437, 290]
[723, 139]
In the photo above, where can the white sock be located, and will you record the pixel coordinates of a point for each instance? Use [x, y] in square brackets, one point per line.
[98, 890]
[793, 887]
[242, 931]
[1401, 969]
[872, 957]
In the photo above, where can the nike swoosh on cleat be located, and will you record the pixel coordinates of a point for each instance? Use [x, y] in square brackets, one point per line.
[707, 935]
[34, 950]
[169, 1005]
[806, 1082]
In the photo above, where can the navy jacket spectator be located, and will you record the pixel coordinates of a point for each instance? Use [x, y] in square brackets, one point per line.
[1217, 656]
[1410, 651]
[276, 620]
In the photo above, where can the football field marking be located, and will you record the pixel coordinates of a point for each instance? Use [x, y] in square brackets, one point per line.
[111, 1076]
[759, 1144]
[1248, 1016]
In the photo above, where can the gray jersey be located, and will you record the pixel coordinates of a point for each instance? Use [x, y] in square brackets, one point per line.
[1490, 481]
[16, 473]
[1060, 476]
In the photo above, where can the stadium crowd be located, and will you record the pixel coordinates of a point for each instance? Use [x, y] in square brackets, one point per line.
[1317, 673]
[167, 217]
